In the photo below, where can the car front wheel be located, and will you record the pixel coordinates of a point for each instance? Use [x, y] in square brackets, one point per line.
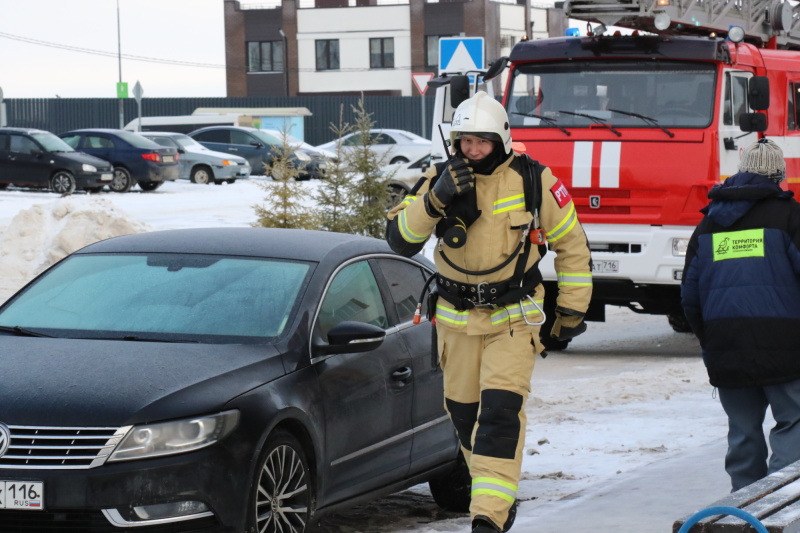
[63, 182]
[122, 180]
[282, 500]
[201, 175]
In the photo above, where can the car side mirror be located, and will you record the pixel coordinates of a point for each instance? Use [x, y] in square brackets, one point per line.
[758, 93]
[459, 90]
[425, 166]
[750, 122]
[257, 144]
[181, 151]
[350, 337]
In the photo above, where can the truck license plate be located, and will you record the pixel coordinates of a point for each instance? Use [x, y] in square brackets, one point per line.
[25, 495]
[604, 266]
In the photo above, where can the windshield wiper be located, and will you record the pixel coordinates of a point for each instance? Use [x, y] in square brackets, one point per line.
[23, 332]
[596, 120]
[649, 120]
[549, 121]
[147, 339]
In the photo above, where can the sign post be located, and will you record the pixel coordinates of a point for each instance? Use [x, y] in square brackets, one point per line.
[137, 94]
[421, 80]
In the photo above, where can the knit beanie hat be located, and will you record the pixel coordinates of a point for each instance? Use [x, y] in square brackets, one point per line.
[764, 157]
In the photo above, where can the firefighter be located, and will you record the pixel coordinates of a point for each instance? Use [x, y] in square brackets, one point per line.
[491, 209]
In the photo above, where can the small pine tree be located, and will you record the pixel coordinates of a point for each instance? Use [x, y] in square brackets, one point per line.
[283, 206]
[333, 194]
[370, 191]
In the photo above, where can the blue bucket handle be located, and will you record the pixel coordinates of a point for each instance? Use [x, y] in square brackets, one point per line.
[721, 510]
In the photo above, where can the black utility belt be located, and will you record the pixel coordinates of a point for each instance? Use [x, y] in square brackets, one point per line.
[466, 295]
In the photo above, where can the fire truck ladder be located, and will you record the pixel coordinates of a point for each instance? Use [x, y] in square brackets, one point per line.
[766, 22]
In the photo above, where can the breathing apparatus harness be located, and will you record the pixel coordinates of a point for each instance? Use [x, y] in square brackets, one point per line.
[452, 230]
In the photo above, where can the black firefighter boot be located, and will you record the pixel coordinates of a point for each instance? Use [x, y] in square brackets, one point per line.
[483, 525]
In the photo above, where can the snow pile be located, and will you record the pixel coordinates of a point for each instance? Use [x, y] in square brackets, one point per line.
[43, 234]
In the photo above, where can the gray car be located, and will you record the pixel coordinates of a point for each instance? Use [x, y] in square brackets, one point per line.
[199, 164]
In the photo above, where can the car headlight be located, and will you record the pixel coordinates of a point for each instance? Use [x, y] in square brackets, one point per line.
[302, 156]
[88, 168]
[227, 163]
[679, 246]
[178, 436]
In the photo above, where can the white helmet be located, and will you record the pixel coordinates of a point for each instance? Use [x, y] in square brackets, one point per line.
[482, 116]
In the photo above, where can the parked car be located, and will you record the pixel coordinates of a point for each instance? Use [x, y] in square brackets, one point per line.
[36, 158]
[259, 147]
[234, 379]
[404, 176]
[199, 164]
[135, 159]
[393, 146]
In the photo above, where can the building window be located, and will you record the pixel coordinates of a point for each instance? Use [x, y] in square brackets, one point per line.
[432, 52]
[381, 52]
[265, 56]
[327, 54]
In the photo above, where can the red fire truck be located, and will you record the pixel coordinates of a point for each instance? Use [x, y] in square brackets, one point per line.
[640, 127]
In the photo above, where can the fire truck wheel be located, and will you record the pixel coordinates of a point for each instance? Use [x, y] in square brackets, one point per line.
[679, 323]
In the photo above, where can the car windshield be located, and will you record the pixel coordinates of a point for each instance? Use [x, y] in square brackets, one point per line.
[171, 297]
[52, 143]
[136, 140]
[187, 142]
[582, 94]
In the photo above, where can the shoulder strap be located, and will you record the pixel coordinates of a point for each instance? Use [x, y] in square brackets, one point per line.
[532, 182]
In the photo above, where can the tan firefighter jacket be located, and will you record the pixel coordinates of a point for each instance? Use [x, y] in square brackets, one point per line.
[491, 239]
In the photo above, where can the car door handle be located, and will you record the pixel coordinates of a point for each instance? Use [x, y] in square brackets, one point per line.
[402, 374]
[233, 149]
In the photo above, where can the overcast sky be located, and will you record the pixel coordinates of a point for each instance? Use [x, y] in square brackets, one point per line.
[69, 48]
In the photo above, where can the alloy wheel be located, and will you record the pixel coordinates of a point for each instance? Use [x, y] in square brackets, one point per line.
[283, 496]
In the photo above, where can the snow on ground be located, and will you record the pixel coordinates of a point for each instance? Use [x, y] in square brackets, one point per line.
[626, 394]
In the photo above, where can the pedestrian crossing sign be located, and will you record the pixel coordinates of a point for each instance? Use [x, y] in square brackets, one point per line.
[460, 54]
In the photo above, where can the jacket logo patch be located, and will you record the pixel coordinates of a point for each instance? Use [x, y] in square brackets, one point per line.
[738, 244]
[561, 194]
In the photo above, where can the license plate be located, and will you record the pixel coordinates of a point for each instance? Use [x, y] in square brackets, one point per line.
[604, 266]
[169, 159]
[25, 495]
[106, 177]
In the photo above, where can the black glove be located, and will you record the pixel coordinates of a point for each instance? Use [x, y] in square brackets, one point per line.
[455, 180]
[567, 327]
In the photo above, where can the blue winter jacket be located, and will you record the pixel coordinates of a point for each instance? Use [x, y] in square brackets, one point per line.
[741, 283]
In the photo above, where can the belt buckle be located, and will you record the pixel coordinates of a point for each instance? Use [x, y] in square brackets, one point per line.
[481, 301]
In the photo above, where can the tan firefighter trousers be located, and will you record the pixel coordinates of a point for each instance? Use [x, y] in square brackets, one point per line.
[486, 384]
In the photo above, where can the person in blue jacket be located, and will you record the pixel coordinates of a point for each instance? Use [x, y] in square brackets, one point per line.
[741, 295]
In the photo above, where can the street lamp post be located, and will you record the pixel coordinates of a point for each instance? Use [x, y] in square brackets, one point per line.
[119, 60]
[285, 59]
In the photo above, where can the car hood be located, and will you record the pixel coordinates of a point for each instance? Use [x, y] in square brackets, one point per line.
[83, 157]
[76, 382]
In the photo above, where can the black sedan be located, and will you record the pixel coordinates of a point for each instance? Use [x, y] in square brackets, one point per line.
[229, 379]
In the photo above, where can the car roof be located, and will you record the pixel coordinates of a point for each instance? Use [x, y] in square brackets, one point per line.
[161, 133]
[22, 130]
[225, 127]
[305, 245]
[97, 130]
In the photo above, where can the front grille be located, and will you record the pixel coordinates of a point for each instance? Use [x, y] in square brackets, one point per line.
[90, 522]
[33, 447]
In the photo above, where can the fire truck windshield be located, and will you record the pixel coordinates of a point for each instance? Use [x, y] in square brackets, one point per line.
[623, 94]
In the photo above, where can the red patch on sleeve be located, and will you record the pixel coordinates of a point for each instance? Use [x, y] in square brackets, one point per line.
[561, 194]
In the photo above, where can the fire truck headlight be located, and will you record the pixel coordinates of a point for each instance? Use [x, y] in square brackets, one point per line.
[662, 20]
[679, 246]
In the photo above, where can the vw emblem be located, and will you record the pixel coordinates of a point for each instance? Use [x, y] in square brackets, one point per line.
[594, 202]
[5, 439]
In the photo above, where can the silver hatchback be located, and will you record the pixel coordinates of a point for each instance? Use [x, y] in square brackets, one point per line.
[199, 164]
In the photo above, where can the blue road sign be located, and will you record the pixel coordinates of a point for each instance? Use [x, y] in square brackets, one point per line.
[459, 54]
